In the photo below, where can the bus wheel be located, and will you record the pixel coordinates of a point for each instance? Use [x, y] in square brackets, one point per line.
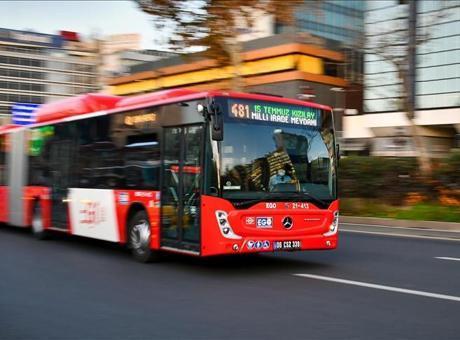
[38, 229]
[139, 238]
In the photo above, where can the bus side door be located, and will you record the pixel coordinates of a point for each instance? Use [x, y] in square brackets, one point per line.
[62, 172]
[180, 191]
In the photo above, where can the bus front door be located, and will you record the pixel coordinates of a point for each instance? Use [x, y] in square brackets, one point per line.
[180, 191]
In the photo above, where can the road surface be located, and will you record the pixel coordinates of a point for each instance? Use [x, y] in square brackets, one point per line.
[372, 287]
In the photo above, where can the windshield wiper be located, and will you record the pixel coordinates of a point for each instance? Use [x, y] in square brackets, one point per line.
[252, 202]
[275, 196]
[304, 194]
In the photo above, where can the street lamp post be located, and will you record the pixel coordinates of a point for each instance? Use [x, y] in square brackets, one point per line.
[335, 110]
[336, 90]
[308, 93]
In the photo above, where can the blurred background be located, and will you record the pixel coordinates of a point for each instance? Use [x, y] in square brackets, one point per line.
[390, 69]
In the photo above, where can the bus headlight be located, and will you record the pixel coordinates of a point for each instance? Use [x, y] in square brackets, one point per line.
[224, 225]
[334, 225]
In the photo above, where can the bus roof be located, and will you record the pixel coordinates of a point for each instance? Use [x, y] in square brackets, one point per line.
[180, 95]
[267, 97]
[8, 127]
[160, 97]
[95, 102]
[74, 106]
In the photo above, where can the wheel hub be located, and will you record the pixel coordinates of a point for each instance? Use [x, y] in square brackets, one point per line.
[37, 223]
[140, 235]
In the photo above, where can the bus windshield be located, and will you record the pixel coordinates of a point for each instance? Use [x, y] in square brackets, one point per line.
[274, 150]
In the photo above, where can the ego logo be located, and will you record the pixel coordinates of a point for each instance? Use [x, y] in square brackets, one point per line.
[92, 213]
[264, 222]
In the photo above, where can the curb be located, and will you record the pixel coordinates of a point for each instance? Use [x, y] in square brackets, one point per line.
[389, 222]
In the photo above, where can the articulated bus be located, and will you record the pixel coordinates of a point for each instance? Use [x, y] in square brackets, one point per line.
[199, 173]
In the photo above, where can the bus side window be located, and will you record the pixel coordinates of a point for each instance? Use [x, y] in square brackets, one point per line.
[108, 172]
[142, 161]
[86, 154]
[99, 159]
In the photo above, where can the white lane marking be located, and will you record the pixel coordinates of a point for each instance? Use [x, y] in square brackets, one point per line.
[399, 235]
[382, 287]
[447, 258]
[403, 228]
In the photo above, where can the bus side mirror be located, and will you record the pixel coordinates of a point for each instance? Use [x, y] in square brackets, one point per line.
[217, 122]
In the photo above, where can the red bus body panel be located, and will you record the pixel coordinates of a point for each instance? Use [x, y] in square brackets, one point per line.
[41, 194]
[309, 226]
[4, 192]
[4, 204]
[150, 200]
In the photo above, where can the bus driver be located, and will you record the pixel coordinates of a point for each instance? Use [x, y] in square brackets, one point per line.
[281, 177]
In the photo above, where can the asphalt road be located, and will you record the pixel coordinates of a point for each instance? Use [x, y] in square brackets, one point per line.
[71, 288]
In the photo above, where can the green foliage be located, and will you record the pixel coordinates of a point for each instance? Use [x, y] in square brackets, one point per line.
[365, 208]
[430, 212]
[388, 179]
[448, 171]
[420, 211]
[382, 186]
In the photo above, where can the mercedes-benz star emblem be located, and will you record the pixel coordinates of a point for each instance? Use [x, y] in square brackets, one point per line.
[287, 222]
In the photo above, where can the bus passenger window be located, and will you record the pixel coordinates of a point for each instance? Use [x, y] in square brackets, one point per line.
[142, 161]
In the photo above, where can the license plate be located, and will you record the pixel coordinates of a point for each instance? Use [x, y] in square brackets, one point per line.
[287, 245]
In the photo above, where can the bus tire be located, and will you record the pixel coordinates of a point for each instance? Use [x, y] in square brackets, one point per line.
[139, 236]
[38, 229]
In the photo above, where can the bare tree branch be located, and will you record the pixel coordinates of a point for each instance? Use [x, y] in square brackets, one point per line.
[391, 44]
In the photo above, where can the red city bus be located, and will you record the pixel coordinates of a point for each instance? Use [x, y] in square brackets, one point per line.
[199, 173]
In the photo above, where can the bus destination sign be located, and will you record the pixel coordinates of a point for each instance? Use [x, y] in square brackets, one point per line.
[274, 112]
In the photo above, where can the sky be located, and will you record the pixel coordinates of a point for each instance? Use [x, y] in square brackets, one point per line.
[101, 17]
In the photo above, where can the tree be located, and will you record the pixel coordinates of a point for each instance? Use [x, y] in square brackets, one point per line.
[396, 44]
[213, 26]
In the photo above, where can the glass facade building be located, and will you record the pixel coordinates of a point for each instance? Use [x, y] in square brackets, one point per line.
[339, 25]
[384, 128]
[335, 20]
[438, 58]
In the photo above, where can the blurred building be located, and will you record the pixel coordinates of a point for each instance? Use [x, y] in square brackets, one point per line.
[384, 128]
[119, 52]
[340, 24]
[263, 26]
[286, 64]
[40, 68]
[110, 49]
[126, 59]
[336, 20]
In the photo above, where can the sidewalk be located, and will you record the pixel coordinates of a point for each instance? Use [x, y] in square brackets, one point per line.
[410, 228]
[389, 222]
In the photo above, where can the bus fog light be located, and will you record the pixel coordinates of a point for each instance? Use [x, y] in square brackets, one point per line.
[224, 225]
[235, 247]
